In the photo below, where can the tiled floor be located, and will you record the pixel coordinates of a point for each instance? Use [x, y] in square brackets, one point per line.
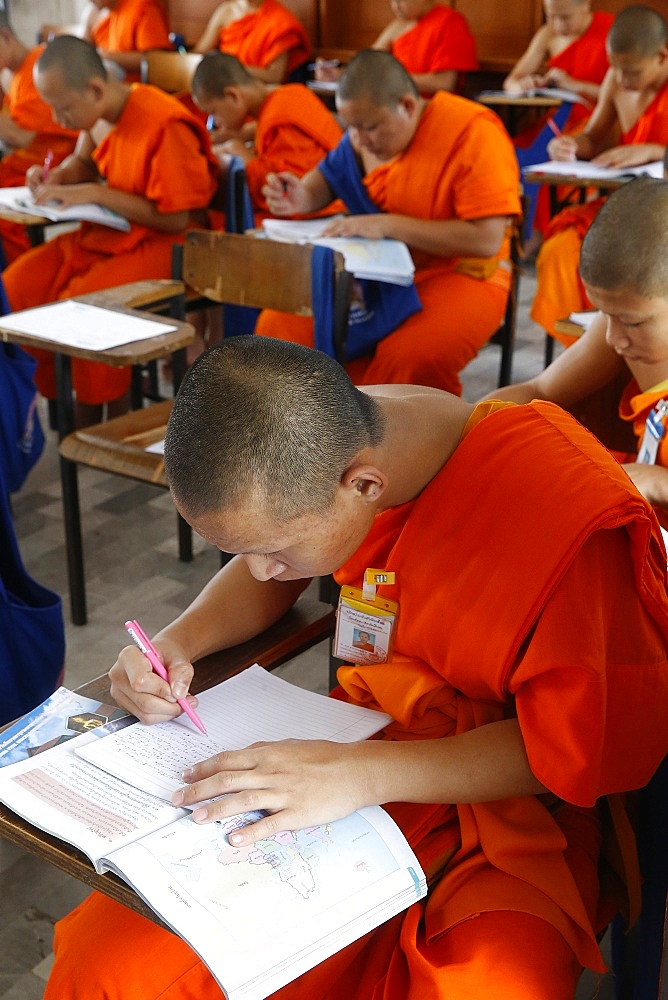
[132, 571]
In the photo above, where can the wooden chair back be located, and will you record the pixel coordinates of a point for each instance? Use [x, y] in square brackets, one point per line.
[171, 71]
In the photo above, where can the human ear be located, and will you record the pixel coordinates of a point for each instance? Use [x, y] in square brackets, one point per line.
[365, 480]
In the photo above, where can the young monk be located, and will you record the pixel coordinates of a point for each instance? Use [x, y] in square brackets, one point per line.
[27, 130]
[514, 707]
[441, 176]
[624, 267]
[629, 127]
[432, 42]
[131, 29]
[263, 35]
[294, 130]
[139, 153]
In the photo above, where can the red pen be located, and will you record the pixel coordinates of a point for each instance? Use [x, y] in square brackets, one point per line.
[142, 641]
[48, 160]
[554, 128]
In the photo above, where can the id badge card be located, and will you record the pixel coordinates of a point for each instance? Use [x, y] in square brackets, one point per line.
[653, 433]
[365, 621]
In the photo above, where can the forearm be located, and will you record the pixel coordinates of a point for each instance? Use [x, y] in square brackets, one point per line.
[521, 392]
[447, 238]
[651, 481]
[13, 135]
[128, 61]
[232, 608]
[430, 83]
[138, 209]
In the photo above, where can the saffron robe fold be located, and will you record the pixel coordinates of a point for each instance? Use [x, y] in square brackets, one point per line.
[259, 38]
[635, 407]
[460, 164]
[559, 291]
[545, 601]
[158, 150]
[29, 111]
[294, 132]
[133, 26]
[441, 40]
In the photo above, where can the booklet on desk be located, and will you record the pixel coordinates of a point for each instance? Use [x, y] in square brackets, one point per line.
[557, 93]
[20, 199]
[380, 260]
[258, 917]
[591, 171]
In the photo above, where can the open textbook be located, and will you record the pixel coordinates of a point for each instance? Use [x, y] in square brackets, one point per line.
[381, 260]
[556, 93]
[583, 168]
[258, 917]
[20, 199]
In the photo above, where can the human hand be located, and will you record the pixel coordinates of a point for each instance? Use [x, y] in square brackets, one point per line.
[136, 687]
[559, 78]
[374, 227]
[34, 176]
[66, 194]
[299, 783]
[524, 83]
[650, 480]
[236, 147]
[626, 156]
[285, 194]
[328, 70]
[562, 148]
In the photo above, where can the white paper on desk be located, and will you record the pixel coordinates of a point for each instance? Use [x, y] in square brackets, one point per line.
[582, 318]
[78, 324]
[381, 260]
[583, 168]
[20, 199]
[251, 707]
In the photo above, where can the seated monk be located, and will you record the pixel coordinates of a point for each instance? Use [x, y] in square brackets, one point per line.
[442, 177]
[27, 130]
[528, 677]
[567, 52]
[131, 29]
[433, 42]
[624, 268]
[131, 137]
[293, 128]
[263, 35]
[629, 127]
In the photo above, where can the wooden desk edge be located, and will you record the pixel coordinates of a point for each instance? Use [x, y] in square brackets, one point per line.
[310, 619]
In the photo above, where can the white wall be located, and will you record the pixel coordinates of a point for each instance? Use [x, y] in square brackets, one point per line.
[27, 15]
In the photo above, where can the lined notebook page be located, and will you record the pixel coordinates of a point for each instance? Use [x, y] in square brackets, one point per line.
[251, 707]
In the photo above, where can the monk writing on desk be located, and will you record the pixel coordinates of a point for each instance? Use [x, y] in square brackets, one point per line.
[514, 707]
[439, 175]
[628, 127]
[140, 153]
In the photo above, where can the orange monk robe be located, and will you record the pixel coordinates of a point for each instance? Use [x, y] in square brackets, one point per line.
[133, 26]
[634, 407]
[27, 109]
[294, 132]
[559, 290]
[441, 40]
[466, 656]
[258, 39]
[460, 164]
[585, 58]
[157, 150]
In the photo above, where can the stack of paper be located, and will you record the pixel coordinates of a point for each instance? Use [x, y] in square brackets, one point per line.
[381, 260]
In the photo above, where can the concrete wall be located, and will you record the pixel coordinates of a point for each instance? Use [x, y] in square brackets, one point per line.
[27, 15]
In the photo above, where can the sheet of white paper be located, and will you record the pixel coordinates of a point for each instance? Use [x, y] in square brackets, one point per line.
[582, 318]
[77, 324]
[585, 169]
[253, 706]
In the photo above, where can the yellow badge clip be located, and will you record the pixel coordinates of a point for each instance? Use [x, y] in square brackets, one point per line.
[365, 621]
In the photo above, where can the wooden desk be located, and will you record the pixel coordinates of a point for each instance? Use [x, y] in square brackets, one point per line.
[307, 623]
[511, 106]
[164, 343]
[35, 225]
[574, 181]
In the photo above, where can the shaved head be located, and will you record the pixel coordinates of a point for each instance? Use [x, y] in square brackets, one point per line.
[376, 76]
[268, 421]
[626, 246]
[75, 60]
[218, 70]
[637, 29]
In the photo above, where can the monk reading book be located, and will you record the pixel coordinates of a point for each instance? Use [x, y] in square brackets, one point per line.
[440, 176]
[629, 127]
[515, 709]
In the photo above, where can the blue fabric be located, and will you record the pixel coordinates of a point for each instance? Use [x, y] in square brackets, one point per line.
[238, 320]
[322, 293]
[378, 307]
[21, 435]
[537, 153]
[32, 634]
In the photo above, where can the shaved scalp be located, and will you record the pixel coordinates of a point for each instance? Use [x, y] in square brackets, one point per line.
[378, 76]
[218, 70]
[637, 29]
[626, 246]
[267, 420]
[76, 60]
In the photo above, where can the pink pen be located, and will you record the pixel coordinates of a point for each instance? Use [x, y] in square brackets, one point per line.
[48, 160]
[142, 641]
[554, 128]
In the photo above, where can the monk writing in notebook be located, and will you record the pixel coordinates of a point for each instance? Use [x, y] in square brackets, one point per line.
[514, 708]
